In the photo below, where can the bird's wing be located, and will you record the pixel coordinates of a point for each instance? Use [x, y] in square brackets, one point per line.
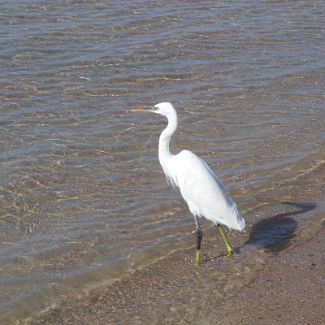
[203, 191]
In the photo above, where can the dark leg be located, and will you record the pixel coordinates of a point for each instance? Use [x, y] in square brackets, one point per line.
[230, 251]
[199, 236]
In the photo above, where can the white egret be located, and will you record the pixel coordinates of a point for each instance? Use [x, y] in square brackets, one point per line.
[200, 187]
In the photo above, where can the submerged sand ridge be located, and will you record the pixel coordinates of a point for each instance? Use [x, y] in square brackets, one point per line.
[278, 276]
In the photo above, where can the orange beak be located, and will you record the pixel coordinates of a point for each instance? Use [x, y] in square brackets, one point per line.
[137, 109]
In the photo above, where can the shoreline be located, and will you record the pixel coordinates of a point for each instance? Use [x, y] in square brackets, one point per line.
[279, 288]
[281, 282]
[274, 281]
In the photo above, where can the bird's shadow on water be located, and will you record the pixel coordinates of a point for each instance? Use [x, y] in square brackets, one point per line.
[275, 233]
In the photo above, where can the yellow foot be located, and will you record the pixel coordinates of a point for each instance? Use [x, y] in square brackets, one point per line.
[197, 258]
[230, 252]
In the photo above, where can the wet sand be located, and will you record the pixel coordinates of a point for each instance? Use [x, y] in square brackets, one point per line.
[278, 282]
[287, 291]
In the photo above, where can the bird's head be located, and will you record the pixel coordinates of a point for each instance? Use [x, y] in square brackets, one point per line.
[163, 108]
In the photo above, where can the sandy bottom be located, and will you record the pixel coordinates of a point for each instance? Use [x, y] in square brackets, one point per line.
[268, 282]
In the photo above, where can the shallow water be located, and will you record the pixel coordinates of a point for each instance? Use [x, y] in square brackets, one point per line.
[81, 187]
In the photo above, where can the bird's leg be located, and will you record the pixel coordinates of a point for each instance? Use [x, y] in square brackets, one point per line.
[199, 236]
[230, 250]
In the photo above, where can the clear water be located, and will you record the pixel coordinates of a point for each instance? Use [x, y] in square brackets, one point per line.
[81, 188]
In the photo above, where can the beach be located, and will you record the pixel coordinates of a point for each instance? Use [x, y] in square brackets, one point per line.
[282, 282]
[90, 230]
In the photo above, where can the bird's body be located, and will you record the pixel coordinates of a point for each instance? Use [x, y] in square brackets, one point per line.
[202, 190]
[200, 187]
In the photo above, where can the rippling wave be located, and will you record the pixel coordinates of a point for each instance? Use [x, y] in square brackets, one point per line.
[81, 187]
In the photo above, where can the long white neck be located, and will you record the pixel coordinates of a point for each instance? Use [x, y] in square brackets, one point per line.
[164, 140]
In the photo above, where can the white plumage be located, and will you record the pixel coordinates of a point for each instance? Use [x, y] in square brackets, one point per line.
[200, 187]
[203, 191]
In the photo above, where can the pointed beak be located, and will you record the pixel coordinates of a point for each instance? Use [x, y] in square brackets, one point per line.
[138, 109]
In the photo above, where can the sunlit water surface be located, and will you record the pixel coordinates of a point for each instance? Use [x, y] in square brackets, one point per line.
[81, 187]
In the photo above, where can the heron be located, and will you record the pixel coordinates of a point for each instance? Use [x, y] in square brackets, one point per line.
[200, 187]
